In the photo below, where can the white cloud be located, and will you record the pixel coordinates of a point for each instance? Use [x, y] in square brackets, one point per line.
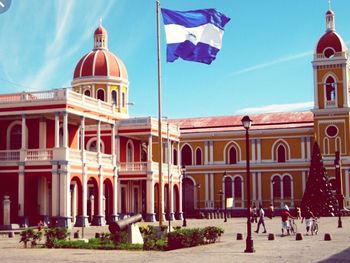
[277, 108]
[273, 62]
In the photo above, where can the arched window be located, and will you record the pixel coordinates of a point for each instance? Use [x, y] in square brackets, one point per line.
[123, 100]
[228, 187]
[92, 146]
[129, 152]
[338, 144]
[186, 155]
[325, 146]
[276, 187]
[144, 152]
[101, 94]
[281, 154]
[232, 155]
[114, 97]
[287, 187]
[16, 137]
[237, 187]
[330, 89]
[87, 93]
[198, 156]
[175, 157]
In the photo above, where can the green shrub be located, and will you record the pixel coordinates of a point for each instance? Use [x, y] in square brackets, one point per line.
[119, 237]
[30, 235]
[105, 238]
[212, 233]
[188, 237]
[54, 235]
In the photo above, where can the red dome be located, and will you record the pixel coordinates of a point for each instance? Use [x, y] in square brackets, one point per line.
[329, 12]
[100, 63]
[330, 40]
[100, 31]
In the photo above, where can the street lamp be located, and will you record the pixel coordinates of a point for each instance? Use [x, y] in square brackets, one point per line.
[247, 122]
[183, 172]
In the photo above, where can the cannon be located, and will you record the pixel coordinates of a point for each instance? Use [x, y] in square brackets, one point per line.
[124, 223]
[134, 234]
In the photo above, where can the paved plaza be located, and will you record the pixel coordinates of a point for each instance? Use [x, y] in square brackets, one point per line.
[228, 249]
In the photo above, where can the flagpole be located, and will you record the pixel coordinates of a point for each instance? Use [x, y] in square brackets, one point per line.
[160, 141]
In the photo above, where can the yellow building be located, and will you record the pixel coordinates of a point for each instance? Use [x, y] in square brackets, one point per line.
[214, 153]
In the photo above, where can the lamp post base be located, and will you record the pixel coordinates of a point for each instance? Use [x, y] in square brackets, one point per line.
[340, 223]
[249, 246]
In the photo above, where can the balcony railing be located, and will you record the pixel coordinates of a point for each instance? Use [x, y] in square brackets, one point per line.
[133, 167]
[39, 155]
[9, 155]
[48, 155]
[58, 95]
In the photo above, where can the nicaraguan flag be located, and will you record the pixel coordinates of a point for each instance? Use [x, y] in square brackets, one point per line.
[194, 35]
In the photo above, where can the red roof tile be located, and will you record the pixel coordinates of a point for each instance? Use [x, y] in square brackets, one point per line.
[260, 121]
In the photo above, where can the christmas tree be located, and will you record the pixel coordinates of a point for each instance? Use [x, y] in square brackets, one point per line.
[318, 195]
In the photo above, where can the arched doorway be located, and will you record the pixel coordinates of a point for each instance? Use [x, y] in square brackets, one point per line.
[92, 205]
[188, 197]
[108, 199]
[76, 197]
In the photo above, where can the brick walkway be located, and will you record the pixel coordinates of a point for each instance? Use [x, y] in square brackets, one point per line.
[282, 249]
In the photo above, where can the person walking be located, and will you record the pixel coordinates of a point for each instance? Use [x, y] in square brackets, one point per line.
[285, 215]
[255, 214]
[308, 216]
[270, 211]
[261, 219]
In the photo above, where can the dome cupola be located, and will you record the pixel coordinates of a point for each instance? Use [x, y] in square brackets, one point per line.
[102, 75]
[331, 42]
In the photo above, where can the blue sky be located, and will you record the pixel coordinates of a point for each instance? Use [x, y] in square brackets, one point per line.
[264, 64]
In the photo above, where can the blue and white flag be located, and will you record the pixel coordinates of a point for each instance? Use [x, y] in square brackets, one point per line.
[194, 35]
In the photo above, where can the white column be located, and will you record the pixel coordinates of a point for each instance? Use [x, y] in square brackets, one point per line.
[258, 144]
[65, 129]
[345, 86]
[84, 192]
[82, 137]
[65, 200]
[117, 138]
[119, 198]
[21, 192]
[100, 192]
[150, 196]
[253, 150]
[254, 186]
[347, 186]
[259, 187]
[211, 152]
[180, 196]
[24, 133]
[212, 194]
[55, 186]
[149, 149]
[206, 192]
[115, 191]
[57, 130]
[113, 152]
[292, 193]
[206, 152]
[302, 148]
[308, 148]
[98, 142]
